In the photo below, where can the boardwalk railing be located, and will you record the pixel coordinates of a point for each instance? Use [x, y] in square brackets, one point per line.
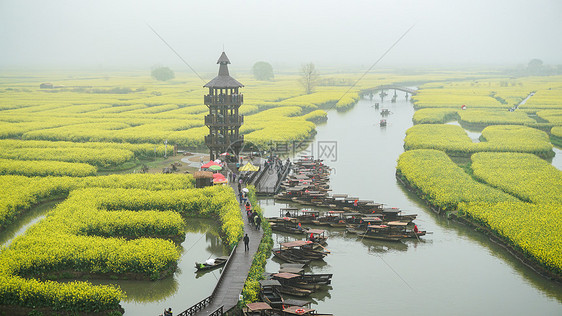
[226, 266]
[197, 307]
[260, 176]
[282, 177]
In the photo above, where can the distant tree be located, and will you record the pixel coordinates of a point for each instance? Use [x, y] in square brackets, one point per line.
[162, 74]
[535, 66]
[309, 78]
[535, 63]
[262, 71]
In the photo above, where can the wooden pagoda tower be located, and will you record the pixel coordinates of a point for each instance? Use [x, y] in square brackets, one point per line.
[224, 100]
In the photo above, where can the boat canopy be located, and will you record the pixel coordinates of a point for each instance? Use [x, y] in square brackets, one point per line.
[294, 270]
[269, 283]
[258, 306]
[286, 275]
[296, 243]
[377, 226]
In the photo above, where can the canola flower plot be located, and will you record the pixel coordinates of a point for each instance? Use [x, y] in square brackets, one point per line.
[523, 175]
[20, 193]
[140, 110]
[78, 237]
[503, 138]
[442, 182]
[45, 168]
[534, 229]
[485, 117]
[492, 93]
[434, 116]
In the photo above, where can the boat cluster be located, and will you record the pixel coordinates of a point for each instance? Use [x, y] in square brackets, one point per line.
[308, 185]
[387, 224]
[290, 281]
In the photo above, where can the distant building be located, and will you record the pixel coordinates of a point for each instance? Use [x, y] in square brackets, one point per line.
[224, 100]
[46, 85]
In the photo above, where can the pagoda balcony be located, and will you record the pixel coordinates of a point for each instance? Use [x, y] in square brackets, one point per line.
[224, 99]
[214, 120]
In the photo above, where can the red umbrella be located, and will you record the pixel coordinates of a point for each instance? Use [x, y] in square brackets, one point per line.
[219, 178]
[210, 163]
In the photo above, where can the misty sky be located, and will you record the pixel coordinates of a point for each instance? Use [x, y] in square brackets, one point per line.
[286, 33]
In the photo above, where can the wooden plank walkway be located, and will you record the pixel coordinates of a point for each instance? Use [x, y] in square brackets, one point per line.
[232, 280]
[267, 183]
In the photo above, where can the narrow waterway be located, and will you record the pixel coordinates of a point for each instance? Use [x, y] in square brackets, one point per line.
[185, 287]
[27, 219]
[454, 271]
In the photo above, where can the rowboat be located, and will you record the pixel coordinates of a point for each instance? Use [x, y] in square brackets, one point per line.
[269, 292]
[211, 263]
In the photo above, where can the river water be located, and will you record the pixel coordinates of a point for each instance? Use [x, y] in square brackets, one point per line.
[454, 271]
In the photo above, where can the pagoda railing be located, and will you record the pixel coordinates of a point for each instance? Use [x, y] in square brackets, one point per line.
[214, 120]
[227, 99]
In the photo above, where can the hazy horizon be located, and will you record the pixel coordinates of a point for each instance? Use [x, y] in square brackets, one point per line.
[333, 35]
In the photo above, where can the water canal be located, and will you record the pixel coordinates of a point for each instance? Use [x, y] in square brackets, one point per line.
[185, 287]
[454, 271]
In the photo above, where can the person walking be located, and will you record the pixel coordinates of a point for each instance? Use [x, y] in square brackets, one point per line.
[258, 222]
[246, 243]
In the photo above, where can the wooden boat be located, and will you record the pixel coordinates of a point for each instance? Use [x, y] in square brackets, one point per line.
[288, 280]
[395, 214]
[294, 291]
[269, 293]
[296, 268]
[306, 254]
[290, 257]
[303, 249]
[318, 237]
[287, 225]
[307, 216]
[325, 278]
[381, 232]
[211, 263]
[331, 217]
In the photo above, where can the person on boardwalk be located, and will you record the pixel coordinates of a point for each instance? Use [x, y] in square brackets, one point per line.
[168, 312]
[246, 243]
[258, 222]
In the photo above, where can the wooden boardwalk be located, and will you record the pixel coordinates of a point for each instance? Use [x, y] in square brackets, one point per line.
[234, 275]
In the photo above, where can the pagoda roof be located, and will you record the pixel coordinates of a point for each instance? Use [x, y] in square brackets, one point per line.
[223, 80]
[223, 59]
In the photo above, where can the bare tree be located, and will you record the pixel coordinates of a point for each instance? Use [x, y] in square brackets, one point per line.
[309, 78]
